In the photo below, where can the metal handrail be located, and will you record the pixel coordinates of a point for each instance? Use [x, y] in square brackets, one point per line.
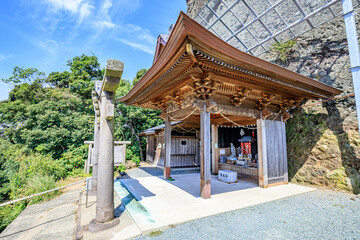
[48, 191]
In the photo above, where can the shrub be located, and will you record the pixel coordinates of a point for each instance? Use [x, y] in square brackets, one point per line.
[37, 184]
[283, 50]
[74, 158]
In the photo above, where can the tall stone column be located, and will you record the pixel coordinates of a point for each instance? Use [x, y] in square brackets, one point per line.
[104, 218]
[105, 193]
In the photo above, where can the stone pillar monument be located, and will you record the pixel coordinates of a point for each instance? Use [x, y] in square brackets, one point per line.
[104, 218]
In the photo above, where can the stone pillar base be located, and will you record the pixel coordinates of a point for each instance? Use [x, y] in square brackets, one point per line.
[98, 227]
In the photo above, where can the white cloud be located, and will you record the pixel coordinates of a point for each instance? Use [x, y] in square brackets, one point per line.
[138, 46]
[104, 24]
[104, 19]
[70, 5]
[85, 11]
[3, 57]
[80, 8]
[107, 5]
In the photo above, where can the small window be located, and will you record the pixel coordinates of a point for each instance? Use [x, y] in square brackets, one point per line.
[183, 143]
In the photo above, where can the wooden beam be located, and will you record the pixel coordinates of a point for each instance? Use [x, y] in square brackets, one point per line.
[167, 142]
[286, 174]
[262, 153]
[214, 149]
[214, 107]
[205, 161]
[115, 142]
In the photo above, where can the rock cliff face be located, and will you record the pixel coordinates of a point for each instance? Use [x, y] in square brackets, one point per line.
[323, 139]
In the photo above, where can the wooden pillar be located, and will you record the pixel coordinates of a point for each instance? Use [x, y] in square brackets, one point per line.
[205, 161]
[286, 175]
[214, 150]
[167, 142]
[262, 153]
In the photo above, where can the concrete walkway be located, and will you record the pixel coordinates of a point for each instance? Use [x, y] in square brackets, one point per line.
[126, 229]
[54, 219]
[171, 203]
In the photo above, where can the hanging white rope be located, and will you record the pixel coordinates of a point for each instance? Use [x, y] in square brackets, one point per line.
[252, 128]
[182, 119]
[192, 130]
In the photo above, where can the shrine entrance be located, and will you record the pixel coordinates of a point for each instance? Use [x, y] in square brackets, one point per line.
[198, 78]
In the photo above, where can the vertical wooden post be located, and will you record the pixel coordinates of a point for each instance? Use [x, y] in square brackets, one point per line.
[205, 161]
[286, 174]
[167, 141]
[197, 156]
[214, 150]
[262, 153]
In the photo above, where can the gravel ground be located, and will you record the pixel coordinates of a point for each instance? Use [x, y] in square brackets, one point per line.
[321, 214]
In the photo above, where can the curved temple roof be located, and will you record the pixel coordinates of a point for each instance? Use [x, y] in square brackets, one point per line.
[192, 53]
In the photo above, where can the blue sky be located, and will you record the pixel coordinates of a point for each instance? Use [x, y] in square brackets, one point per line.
[44, 34]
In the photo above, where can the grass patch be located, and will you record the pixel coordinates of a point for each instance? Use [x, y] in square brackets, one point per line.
[155, 233]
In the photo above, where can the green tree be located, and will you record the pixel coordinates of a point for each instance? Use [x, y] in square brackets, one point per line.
[84, 70]
[139, 75]
[130, 121]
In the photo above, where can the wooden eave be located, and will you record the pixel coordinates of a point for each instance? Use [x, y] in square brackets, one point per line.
[172, 70]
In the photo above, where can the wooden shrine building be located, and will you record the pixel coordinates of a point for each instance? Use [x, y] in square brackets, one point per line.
[198, 78]
[184, 145]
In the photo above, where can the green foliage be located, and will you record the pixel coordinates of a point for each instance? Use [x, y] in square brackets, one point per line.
[155, 233]
[60, 80]
[43, 126]
[120, 168]
[283, 50]
[28, 75]
[130, 121]
[54, 124]
[74, 158]
[9, 213]
[139, 75]
[24, 173]
[40, 183]
[84, 71]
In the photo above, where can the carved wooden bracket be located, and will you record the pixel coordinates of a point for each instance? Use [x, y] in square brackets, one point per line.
[161, 104]
[264, 101]
[203, 86]
[240, 96]
[178, 98]
[266, 112]
[286, 116]
[289, 103]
